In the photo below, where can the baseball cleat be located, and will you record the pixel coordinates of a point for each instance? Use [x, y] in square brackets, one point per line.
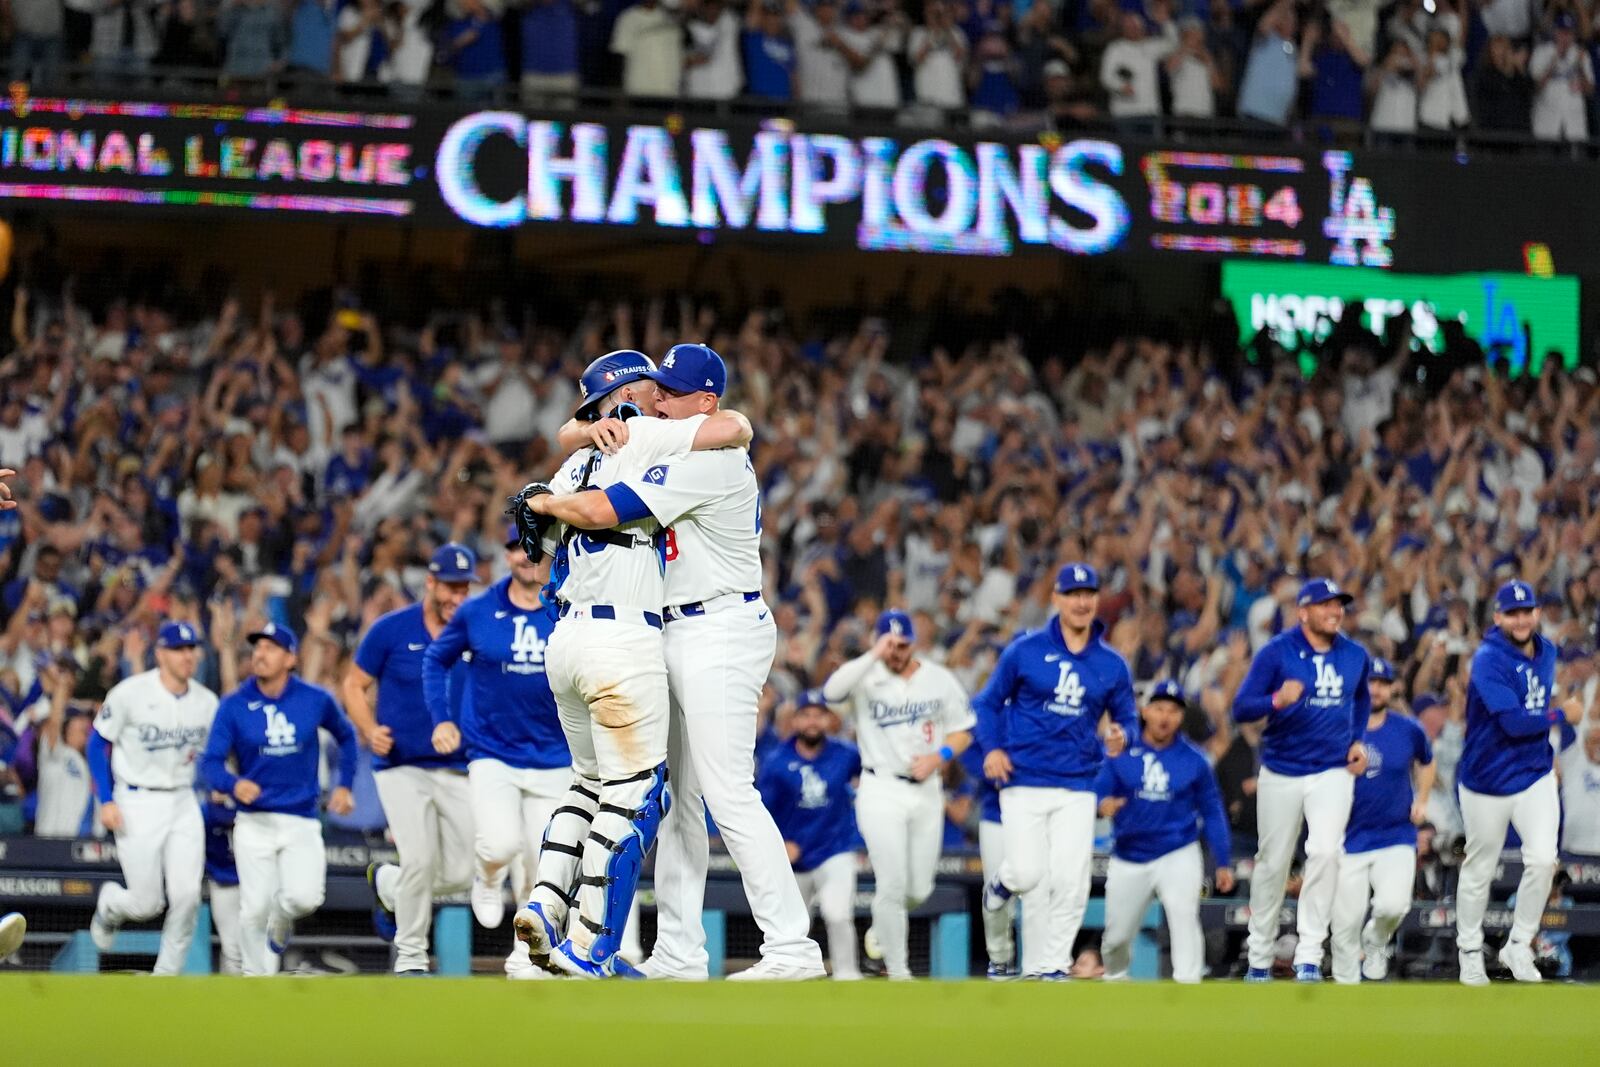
[1375, 965]
[412, 974]
[534, 928]
[651, 969]
[568, 960]
[383, 920]
[1002, 972]
[13, 928]
[488, 904]
[1518, 958]
[279, 931]
[1472, 972]
[995, 895]
[1307, 972]
[1054, 976]
[774, 970]
[871, 946]
[1258, 974]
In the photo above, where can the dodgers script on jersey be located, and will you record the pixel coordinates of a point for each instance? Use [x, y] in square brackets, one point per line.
[603, 573]
[156, 737]
[712, 504]
[898, 719]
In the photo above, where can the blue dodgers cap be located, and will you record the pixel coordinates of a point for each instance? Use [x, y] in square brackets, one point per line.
[175, 634]
[609, 373]
[1167, 689]
[1382, 670]
[1320, 591]
[454, 562]
[897, 623]
[692, 369]
[811, 698]
[281, 636]
[1516, 595]
[1076, 576]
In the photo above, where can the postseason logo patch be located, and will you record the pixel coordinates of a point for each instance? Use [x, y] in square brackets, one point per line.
[656, 475]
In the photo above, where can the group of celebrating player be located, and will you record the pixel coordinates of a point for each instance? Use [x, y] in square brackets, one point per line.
[601, 698]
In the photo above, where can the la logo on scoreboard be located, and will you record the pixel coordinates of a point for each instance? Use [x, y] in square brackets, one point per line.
[1359, 226]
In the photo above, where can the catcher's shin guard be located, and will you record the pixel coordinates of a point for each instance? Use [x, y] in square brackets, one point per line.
[562, 851]
[625, 826]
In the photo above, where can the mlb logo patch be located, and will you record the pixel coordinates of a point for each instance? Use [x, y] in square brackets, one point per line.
[656, 475]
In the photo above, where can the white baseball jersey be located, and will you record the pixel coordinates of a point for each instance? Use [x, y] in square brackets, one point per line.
[64, 790]
[711, 503]
[156, 737]
[898, 719]
[603, 573]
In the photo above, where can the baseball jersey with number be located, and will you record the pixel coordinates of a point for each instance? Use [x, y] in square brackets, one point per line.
[811, 800]
[711, 504]
[1043, 703]
[1313, 734]
[1380, 815]
[1171, 792]
[1510, 710]
[392, 652]
[275, 744]
[600, 572]
[898, 719]
[511, 716]
[155, 737]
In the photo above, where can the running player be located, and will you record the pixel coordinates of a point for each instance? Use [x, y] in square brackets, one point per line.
[269, 727]
[424, 792]
[911, 718]
[720, 644]
[519, 765]
[1059, 701]
[1310, 684]
[807, 785]
[1507, 778]
[999, 926]
[222, 880]
[142, 757]
[1163, 796]
[1380, 842]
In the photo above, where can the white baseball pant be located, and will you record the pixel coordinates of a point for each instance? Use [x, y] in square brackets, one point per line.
[998, 926]
[225, 916]
[903, 826]
[830, 887]
[1049, 841]
[1175, 880]
[162, 848]
[1536, 813]
[282, 876]
[511, 807]
[718, 663]
[1384, 874]
[1322, 800]
[430, 818]
[609, 678]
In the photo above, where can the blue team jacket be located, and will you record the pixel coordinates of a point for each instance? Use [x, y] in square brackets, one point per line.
[1509, 715]
[1043, 703]
[1315, 733]
[811, 799]
[274, 741]
[1171, 792]
[510, 714]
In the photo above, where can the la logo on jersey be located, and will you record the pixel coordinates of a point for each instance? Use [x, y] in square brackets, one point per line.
[1069, 692]
[527, 648]
[1329, 684]
[280, 733]
[1156, 783]
[1374, 761]
[813, 789]
[1537, 695]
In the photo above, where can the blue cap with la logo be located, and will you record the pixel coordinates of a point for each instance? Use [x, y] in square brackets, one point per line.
[177, 634]
[1075, 576]
[1515, 595]
[454, 563]
[897, 623]
[692, 369]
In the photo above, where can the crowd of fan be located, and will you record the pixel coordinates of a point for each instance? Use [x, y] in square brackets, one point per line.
[257, 466]
[1401, 66]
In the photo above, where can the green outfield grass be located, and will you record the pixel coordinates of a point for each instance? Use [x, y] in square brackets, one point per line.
[377, 1022]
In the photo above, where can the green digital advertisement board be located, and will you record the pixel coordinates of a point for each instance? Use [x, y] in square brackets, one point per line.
[1517, 318]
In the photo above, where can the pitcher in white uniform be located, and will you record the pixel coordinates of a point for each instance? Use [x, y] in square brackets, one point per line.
[146, 740]
[911, 718]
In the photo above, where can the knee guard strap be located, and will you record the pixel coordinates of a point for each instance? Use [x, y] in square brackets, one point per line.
[625, 827]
